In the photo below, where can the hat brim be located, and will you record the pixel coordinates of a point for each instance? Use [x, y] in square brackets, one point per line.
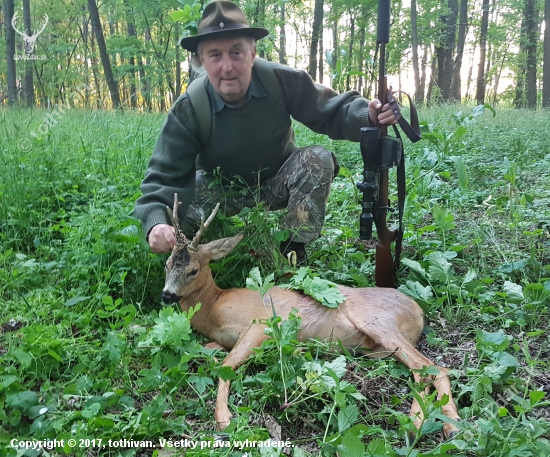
[191, 43]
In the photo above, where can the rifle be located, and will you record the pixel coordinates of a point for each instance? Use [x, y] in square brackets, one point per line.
[381, 152]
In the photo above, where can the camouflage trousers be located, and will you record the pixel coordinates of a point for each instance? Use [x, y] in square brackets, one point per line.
[302, 186]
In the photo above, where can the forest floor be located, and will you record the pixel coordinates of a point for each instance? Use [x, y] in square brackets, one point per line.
[88, 352]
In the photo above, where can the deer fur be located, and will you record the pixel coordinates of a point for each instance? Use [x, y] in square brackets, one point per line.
[379, 322]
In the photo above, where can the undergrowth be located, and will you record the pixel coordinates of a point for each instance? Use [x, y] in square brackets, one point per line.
[88, 353]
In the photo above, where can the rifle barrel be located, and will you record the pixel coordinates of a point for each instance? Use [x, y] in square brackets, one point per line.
[383, 29]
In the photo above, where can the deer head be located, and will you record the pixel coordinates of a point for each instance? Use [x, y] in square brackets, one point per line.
[29, 40]
[187, 269]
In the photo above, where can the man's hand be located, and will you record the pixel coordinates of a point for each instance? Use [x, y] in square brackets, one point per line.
[386, 116]
[162, 238]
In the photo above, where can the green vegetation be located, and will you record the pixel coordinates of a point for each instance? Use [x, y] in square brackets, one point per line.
[89, 353]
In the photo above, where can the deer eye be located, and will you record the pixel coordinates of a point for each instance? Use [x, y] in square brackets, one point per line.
[192, 273]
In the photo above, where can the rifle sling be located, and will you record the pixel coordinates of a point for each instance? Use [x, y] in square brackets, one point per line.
[412, 130]
[401, 194]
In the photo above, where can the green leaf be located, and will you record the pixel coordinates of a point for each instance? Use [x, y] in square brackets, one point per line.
[227, 373]
[514, 292]
[347, 417]
[505, 359]
[439, 267]
[91, 411]
[351, 446]
[338, 365]
[113, 347]
[414, 266]
[325, 292]
[14, 417]
[255, 281]
[23, 400]
[444, 220]
[462, 173]
[497, 341]
[469, 277]
[416, 291]
[73, 301]
[536, 396]
[55, 355]
[171, 328]
[37, 410]
[200, 382]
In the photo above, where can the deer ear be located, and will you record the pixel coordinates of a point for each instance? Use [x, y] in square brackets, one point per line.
[220, 248]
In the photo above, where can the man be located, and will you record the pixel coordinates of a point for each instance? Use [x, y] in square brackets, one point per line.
[249, 137]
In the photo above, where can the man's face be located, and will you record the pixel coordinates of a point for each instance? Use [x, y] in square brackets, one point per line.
[229, 63]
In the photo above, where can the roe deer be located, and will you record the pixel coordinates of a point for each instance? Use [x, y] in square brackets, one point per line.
[382, 322]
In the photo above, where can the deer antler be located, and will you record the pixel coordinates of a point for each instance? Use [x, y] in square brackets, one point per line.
[204, 225]
[13, 21]
[45, 24]
[180, 237]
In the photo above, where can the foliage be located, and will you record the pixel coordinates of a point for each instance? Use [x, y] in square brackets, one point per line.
[89, 353]
[325, 292]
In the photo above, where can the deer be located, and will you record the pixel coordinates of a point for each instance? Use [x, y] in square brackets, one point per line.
[378, 322]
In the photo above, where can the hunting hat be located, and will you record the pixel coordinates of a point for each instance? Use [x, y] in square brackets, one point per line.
[222, 19]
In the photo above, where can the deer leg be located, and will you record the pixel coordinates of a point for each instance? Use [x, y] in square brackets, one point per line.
[238, 355]
[416, 409]
[213, 345]
[413, 359]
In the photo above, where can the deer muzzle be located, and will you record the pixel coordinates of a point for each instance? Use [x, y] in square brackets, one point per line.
[169, 298]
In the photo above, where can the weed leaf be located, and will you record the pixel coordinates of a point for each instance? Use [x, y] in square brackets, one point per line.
[416, 291]
[462, 173]
[347, 417]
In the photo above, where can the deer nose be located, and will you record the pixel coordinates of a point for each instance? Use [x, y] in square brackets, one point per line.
[169, 297]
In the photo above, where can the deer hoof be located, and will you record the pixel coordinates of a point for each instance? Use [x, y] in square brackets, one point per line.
[450, 430]
[223, 419]
[223, 425]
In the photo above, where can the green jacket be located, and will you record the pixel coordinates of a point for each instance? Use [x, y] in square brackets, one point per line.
[256, 137]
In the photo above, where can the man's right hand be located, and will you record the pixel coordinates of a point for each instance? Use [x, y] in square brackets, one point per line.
[162, 238]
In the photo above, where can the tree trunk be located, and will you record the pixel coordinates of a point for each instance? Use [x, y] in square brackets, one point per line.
[130, 25]
[145, 82]
[519, 98]
[456, 89]
[350, 50]
[95, 72]
[362, 39]
[433, 79]
[450, 44]
[10, 53]
[334, 57]
[96, 26]
[282, 34]
[321, 51]
[414, 36]
[178, 68]
[445, 49]
[546, 65]
[499, 73]
[259, 21]
[481, 84]
[531, 24]
[29, 81]
[421, 87]
[315, 34]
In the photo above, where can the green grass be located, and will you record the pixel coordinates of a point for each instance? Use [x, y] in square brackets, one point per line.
[86, 354]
